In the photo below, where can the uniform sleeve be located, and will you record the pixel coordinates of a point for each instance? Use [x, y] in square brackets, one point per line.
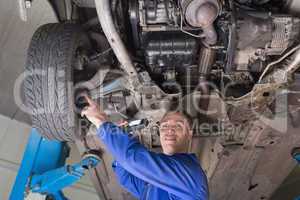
[130, 182]
[179, 176]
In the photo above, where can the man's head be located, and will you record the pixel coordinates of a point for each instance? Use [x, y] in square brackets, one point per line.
[175, 133]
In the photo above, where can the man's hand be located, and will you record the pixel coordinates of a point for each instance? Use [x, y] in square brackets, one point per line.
[93, 113]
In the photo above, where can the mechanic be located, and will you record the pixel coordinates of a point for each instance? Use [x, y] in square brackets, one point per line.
[173, 174]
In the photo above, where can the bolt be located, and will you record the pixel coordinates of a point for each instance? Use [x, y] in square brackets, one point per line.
[27, 4]
[148, 96]
[153, 106]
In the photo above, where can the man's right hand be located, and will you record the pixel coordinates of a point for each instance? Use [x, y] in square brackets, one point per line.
[94, 113]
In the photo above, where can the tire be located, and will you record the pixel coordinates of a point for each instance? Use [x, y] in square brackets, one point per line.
[49, 69]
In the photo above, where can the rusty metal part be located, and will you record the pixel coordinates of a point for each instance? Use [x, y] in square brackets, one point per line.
[232, 39]
[262, 95]
[206, 60]
[295, 64]
[278, 61]
[106, 20]
[284, 74]
[204, 98]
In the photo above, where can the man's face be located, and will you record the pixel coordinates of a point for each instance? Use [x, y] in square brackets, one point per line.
[175, 134]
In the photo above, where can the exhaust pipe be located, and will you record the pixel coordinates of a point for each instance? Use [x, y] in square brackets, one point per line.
[206, 60]
[202, 14]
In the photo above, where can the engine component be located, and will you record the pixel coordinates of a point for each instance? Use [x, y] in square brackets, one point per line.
[167, 15]
[262, 94]
[202, 13]
[158, 12]
[260, 35]
[286, 30]
[293, 64]
[153, 16]
[85, 3]
[255, 2]
[293, 7]
[206, 60]
[169, 50]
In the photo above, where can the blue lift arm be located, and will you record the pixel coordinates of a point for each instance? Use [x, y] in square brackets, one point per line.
[43, 168]
[296, 156]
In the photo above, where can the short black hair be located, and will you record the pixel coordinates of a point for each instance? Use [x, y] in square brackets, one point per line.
[183, 114]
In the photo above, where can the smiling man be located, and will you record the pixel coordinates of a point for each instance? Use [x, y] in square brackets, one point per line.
[173, 174]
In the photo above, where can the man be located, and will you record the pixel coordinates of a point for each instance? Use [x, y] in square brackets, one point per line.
[173, 174]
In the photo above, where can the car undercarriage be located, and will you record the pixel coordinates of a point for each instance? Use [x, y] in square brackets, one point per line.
[232, 66]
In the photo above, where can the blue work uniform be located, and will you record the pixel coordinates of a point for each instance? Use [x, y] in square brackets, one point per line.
[152, 176]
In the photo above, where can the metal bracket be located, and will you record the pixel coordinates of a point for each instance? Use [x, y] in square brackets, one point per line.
[55, 180]
[23, 6]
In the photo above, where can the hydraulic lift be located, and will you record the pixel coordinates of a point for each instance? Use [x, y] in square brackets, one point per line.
[44, 171]
[296, 156]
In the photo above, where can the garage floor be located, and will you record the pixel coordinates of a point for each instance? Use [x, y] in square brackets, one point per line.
[15, 36]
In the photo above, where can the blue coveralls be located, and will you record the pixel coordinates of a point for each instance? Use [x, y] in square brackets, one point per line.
[153, 176]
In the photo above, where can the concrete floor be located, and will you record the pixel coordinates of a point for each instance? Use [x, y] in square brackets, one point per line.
[15, 36]
[290, 188]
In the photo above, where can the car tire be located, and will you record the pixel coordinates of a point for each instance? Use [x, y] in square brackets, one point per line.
[48, 85]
